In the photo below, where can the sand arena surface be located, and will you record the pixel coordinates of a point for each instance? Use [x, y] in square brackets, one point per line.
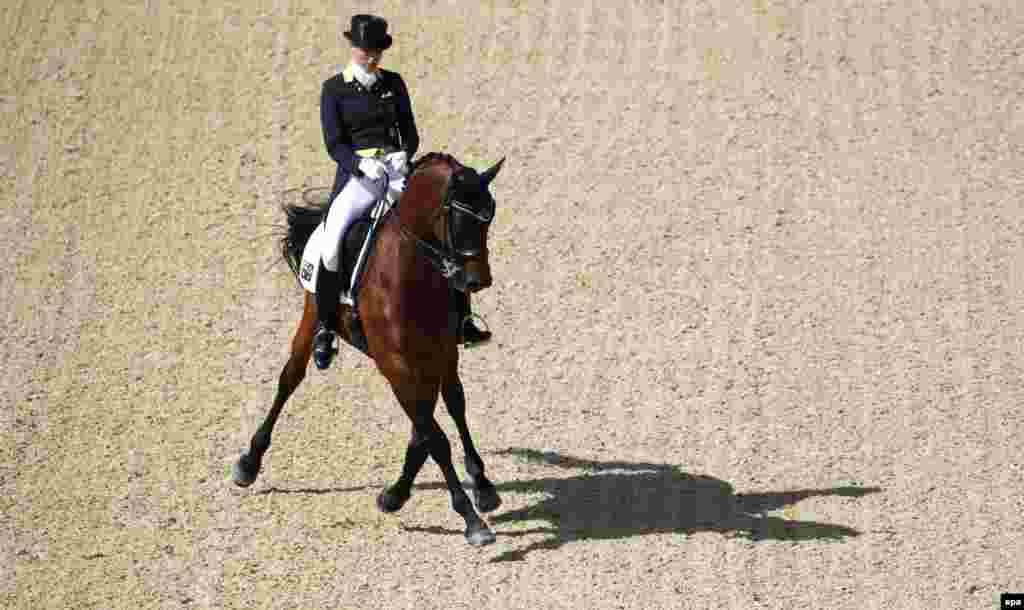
[758, 304]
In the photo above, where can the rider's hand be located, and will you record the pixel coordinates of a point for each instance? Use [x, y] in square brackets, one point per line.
[372, 168]
[398, 162]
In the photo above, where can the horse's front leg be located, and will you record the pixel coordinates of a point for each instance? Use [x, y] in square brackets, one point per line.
[247, 468]
[477, 532]
[483, 490]
[419, 400]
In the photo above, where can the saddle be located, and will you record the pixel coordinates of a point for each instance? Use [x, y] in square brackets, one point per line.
[356, 245]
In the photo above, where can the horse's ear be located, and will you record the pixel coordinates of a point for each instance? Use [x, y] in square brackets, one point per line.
[489, 175]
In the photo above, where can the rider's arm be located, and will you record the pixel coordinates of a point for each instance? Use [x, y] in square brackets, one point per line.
[336, 135]
[406, 121]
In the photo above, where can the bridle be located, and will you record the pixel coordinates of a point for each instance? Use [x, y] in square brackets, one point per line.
[449, 258]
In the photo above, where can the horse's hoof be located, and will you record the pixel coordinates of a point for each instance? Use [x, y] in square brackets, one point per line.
[480, 535]
[390, 502]
[240, 475]
[487, 499]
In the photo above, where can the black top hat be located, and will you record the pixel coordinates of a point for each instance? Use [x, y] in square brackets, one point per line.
[369, 32]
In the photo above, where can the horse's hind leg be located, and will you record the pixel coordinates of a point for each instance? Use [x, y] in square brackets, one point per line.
[416, 452]
[248, 466]
[484, 492]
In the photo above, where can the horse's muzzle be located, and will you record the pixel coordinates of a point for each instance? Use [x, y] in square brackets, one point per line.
[476, 281]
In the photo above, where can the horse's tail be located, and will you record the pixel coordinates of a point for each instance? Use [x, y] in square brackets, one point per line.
[302, 221]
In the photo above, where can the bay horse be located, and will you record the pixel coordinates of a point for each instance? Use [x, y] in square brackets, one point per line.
[433, 241]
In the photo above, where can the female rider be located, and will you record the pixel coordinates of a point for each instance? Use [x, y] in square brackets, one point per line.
[369, 130]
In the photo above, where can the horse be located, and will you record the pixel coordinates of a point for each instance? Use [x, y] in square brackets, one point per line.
[433, 241]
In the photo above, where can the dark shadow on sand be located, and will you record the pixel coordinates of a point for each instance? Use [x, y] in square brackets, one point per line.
[614, 500]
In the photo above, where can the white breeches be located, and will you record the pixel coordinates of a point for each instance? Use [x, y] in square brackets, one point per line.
[354, 200]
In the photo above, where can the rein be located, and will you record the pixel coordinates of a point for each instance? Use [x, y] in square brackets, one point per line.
[446, 264]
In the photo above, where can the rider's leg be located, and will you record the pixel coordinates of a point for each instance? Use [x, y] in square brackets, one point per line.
[351, 203]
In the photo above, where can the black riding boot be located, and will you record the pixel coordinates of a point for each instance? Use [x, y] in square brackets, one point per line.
[469, 334]
[328, 291]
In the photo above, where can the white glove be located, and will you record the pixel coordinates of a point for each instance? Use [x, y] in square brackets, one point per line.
[372, 168]
[398, 161]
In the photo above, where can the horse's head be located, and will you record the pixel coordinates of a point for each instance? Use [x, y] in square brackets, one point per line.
[470, 211]
[460, 223]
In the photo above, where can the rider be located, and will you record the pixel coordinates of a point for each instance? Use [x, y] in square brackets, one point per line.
[369, 130]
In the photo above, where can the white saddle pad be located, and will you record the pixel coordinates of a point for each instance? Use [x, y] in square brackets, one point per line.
[310, 267]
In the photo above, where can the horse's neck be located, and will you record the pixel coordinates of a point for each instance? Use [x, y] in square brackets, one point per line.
[416, 217]
[410, 274]
[411, 268]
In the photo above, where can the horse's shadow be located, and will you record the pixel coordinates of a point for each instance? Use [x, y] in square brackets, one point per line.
[612, 500]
